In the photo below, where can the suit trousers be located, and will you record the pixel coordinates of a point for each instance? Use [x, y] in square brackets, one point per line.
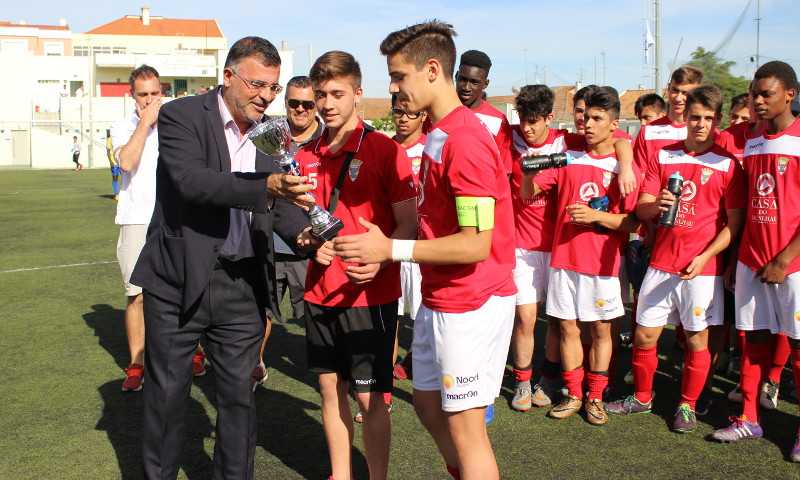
[232, 316]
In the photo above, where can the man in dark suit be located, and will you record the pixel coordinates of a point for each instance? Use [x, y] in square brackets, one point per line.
[207, 267]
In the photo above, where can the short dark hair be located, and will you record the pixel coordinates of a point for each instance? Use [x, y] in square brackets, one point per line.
[419, 43]
[143, 72]
[256, 47]
[652, 100]
[739, 101]
[782, 71]
[300, 81]
[604, 99]
[535, 101]
[707, 95]
[476, 58]
[336, 64]
[687, 74]
[582, 93]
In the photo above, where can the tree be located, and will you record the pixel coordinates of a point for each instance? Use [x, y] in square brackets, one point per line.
[718, 72]
[384, 123]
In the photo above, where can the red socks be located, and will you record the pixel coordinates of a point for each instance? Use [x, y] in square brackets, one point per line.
[695, 372]
[573, 380]
[644, 365]
[756, 359]
[598, 381]
[780, 353]
[523, 374]
[455, 472]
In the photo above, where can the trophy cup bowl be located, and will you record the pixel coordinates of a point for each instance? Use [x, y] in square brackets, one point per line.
[274, 138]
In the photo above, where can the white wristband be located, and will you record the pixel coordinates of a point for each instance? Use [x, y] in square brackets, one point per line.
[403, 250]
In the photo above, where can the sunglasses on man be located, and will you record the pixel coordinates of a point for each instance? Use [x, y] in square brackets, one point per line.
[307, 104]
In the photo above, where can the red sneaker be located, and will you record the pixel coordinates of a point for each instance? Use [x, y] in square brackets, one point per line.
[133, 382]
[199, 363]
[403, 370]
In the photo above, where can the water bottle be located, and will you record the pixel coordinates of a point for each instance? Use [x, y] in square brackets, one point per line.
[599, 203]
[675, 186]
[542, 162]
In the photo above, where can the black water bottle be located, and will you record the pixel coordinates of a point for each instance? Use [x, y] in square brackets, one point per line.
[675, 186]
[543, 162]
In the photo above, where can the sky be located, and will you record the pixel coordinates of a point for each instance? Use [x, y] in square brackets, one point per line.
[557, 43]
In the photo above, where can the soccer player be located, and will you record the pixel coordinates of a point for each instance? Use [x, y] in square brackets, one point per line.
[534, 239]
[463, 328]
[584, 286]
[671, 128]
[472, 78]
[767, 280]
[408, 133]
[740, 110]
[684, 281]
[351, 307]
[649, 108]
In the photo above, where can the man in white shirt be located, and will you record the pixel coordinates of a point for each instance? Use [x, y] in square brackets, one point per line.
[134, 142]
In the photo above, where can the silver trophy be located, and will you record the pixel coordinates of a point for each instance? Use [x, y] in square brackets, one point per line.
[274, 138]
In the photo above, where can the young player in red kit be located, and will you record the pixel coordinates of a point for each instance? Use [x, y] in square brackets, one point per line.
[351, 307]
[472, 78]
[734, 139]
[649, 108]
[767, 283]
[585, 263]
[684, 281]
[463, 328]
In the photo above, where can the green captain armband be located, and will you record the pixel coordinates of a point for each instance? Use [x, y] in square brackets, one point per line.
[475, 212]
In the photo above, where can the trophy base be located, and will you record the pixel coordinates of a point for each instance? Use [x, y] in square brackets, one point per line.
[329, 230]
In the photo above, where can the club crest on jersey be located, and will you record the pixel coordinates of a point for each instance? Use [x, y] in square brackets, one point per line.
[355, 167]
[607, 177]
[783, 162]
[706, 174]
[415, 164]
[765, 184]
[588, 190]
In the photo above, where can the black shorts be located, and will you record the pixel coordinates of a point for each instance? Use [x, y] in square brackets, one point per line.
[355, 342]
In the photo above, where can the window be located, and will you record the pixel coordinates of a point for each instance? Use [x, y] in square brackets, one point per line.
[14, 46]
[53, 49]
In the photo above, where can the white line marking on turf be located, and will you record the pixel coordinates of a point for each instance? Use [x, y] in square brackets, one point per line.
[56, 266]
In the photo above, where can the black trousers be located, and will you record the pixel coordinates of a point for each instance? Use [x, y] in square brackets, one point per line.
[232, 317]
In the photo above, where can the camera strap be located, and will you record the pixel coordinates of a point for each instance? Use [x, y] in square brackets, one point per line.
[334, 199]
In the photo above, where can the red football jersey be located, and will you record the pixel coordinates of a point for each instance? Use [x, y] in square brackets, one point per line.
[497, 123]
[534, 217]
[461, 160]
[713, 182]
[772, 164]
[379, 176]
[414, 152]
[620, 133]
[653, 137]
[581, 248]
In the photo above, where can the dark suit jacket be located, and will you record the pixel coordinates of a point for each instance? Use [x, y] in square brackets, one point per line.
[195, 191]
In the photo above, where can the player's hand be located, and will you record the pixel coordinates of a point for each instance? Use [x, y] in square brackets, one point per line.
[627, 182]
[582, 214]
[369, 247]
[729, 277]
[361, 274]
[325, 254]
[149, 114]
[773, 272]
[307, 241]
[664, 200]
[696, 266]
[290, 188]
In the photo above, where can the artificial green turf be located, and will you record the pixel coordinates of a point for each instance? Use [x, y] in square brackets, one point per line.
[63, 347]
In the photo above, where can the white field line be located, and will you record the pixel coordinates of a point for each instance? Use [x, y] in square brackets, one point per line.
[56, 266]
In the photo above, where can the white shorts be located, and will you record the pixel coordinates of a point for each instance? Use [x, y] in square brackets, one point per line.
[129, 246]
[588, 298]
[764, 306]
[410, 289]
[463, 355]
[665, 298]
[532, 275]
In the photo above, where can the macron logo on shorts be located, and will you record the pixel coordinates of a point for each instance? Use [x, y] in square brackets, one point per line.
[369, 381]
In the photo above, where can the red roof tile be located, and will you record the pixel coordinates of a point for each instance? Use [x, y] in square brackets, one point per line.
[165, 27]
